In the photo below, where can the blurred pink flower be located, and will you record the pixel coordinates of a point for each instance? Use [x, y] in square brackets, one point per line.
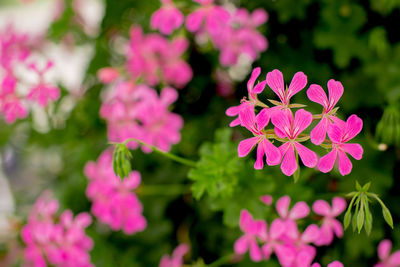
[300, 209]
[316, 94]
[166, 19]
[340, 133]
[11, 106]
[387, 259]
[332, 264]
[108, 75]
[55, 242]
[330, 226]
[287, 127]
[176, 260]
[114, 200]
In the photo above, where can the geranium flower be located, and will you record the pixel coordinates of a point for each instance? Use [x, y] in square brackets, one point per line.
[166, 19]
[387, 259]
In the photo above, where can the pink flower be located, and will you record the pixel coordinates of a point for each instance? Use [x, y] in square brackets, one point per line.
[253, 91]
[275, 82]
[108, 75]
[114, 200]
[56, 242]
[256, 125]
[11, 105]
[330, 226]
[176, 260]
[387, 259]
[340, 134]
[266, 199]
[332, 264]
[253, 230]
[300, 209]
[287, 127]
[316, 94]
[166, 19]
[214, 18]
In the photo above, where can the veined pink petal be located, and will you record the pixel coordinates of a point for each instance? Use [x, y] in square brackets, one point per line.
[262, 119]
[335, 89]
[353, 127]
[394, 259]
[247, 117]
[355, 150]
[254, 75]
[307, 156]
[255, 251]
[338, 206]
[259, 87]
[300, 210]
[297, 84]
[282, 206]
[289, 163]
[281, 120]
[259, 164]
[302, 119]
[272, 153]
[316, 94]
[334, 133]
[318, 134]
[275, 82]
[345, 165]
[384, 248]
[321, 207]
[241, 245]
[335, 264]
[247, 145]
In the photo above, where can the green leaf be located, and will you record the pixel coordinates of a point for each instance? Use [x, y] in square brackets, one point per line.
[360, 218]
[358, 186]
[347, 218]
[387, 216]
[368, 218]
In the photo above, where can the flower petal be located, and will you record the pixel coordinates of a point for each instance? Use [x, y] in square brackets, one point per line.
[316, 94]
[307, 156]
[318, 134]
[302, 119]
[321, 207]
[246, 146]
[355, 150]
[394, 259]
[241, 245]
[335, 264]
[345, 165]
[353, 127]
[259, 164]
[262, 119]
[335, 89]
[246, 220]
[282, 120]
[300, 210]
[277, 228]
[334, 133]
[259, 87]
[289, 163]
[271, 152]
[310, 234]
[255, 251]
[326, 162]
[275, 82]
[282, 206]
[338, 206]
[297, 84]
[254, 75]
[384, 248]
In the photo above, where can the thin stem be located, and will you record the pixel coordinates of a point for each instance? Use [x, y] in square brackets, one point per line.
[221, 261]
[176, 158]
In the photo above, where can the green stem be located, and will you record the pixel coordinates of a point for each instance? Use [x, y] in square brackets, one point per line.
[221, 261]
[176, 158]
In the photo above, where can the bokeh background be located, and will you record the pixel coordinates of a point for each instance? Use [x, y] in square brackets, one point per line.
[355, 42]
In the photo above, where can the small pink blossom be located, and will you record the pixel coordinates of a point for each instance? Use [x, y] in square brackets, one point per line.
[287, 127]
[176, 260]
[340, 133]
[266, 199]
[114, 200]
[253, 230]
[108, 75]
[330, 225]
[54, 242]
[11, 106]
[276, 83]
[166, 19]
[332, 264]
[208, 17]
[316, 94]
[387, 259]
[300, 209]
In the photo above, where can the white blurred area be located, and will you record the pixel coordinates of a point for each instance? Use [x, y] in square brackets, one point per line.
[34, 18]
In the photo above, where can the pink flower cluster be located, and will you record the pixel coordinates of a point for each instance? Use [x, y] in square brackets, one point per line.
[56, 241]
[288, 126]
[15, 51]
[232, 33]
[176, 259]
[137, 111]
[156, 60]
[114, 200]
[387, 259]
[284, 239]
